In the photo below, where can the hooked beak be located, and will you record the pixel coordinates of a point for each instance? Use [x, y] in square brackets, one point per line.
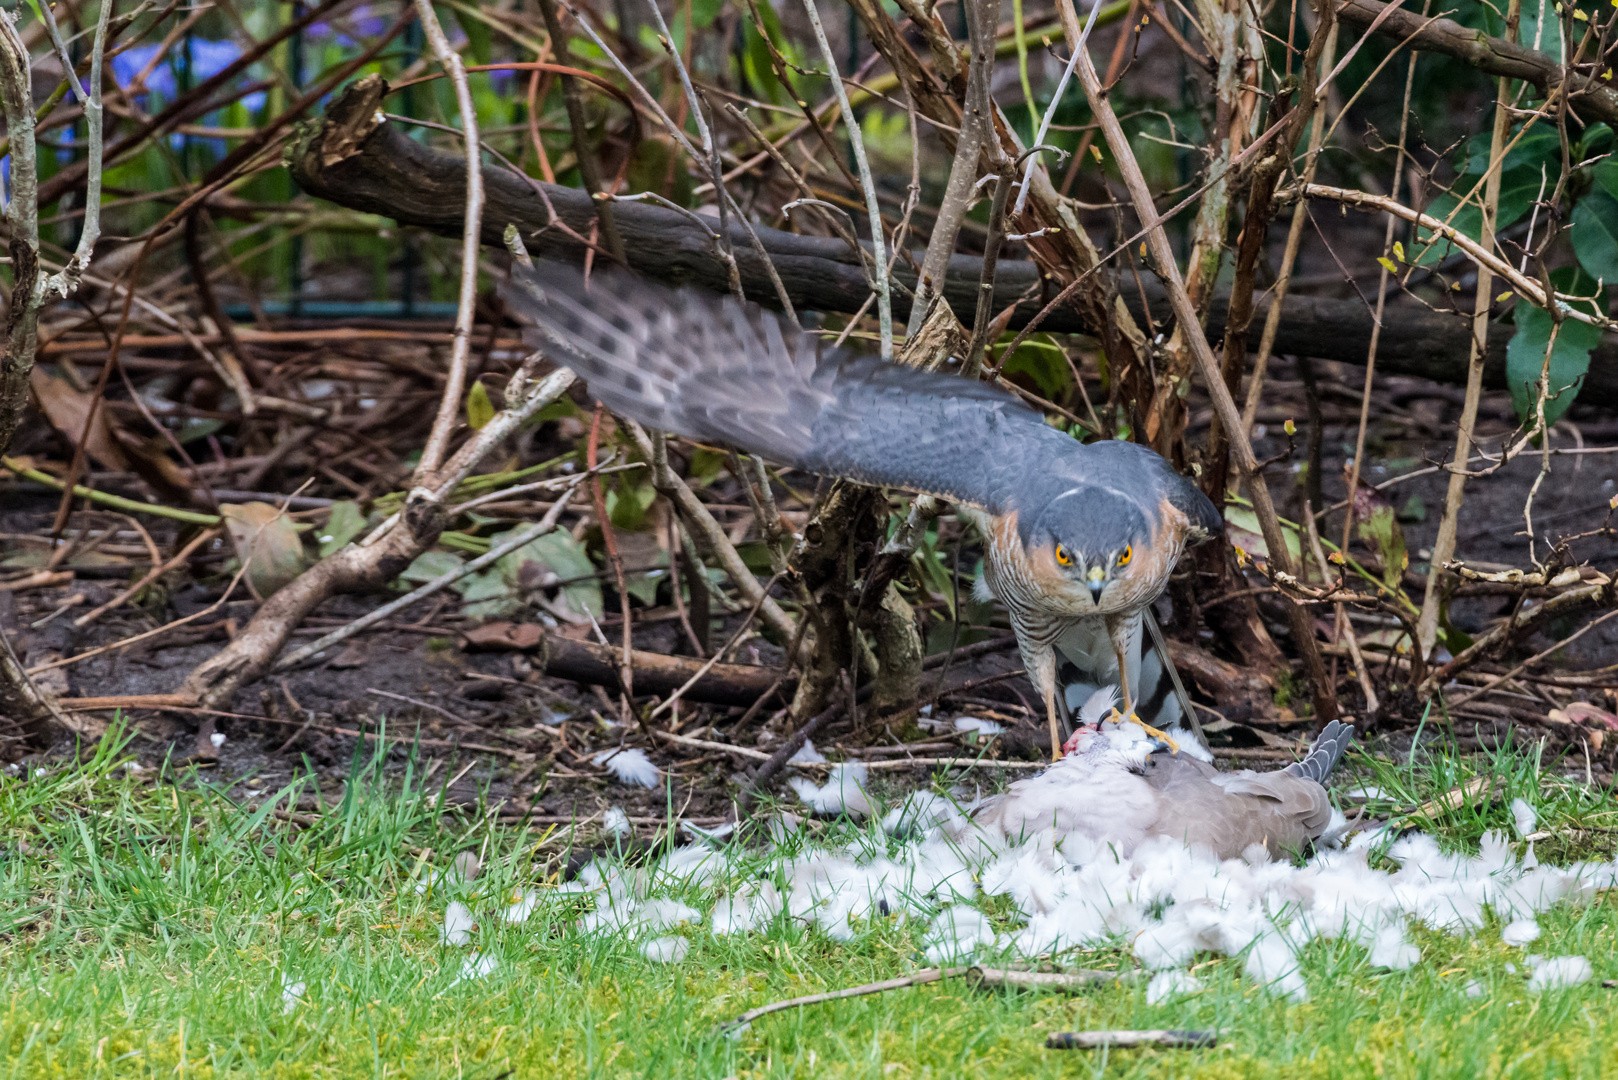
[1097, 582]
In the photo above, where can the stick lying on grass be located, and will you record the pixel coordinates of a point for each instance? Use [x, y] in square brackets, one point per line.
[925, 975]
[978, 976]
[983, 978]
[1095, 1040]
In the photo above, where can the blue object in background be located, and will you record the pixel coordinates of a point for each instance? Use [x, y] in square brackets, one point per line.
[130, 63]
[208, 58]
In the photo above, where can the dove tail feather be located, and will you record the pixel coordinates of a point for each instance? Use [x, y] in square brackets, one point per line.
[1324, 753]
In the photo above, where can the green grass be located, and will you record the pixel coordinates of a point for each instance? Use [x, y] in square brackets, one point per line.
[148, 920]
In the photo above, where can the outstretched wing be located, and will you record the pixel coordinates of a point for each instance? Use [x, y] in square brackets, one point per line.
[713, 369]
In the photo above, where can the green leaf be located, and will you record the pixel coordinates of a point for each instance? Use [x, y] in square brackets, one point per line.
[705, 12]
[431, 565]
[643, 586]
[1569, 358]
[555, 553]
[267, 542]
[1605, 175]
[1044, 365]
[346, 522]
[1540, 146]
[479, 409]
[756, 62]
[1380, 532]
[488, 595]
[1595, 234]
[628, 501]
[756, 554]
[1597, 139]
[706, 466]
[1519, 187]
[1244, 521]
[479, 38]
[1543, 35]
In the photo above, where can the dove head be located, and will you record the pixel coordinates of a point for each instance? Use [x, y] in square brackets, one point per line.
[1103, 739]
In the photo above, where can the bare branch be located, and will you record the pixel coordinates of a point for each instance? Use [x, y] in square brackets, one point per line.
[449, 406]
[884, 298]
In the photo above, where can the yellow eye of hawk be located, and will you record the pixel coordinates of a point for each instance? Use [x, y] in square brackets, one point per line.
[1062, 556]
[1129, 553]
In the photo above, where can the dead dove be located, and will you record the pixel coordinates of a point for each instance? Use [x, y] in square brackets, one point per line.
[1117, 786]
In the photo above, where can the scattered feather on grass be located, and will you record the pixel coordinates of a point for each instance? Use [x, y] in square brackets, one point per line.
[458, 924]
[753, 907]
[842, 793]
[477, 966]
[630, 766]
[518, 910]
[1520, 932]
[291, 994]
[1558, 972]
[957, 934]
[1524, 817]
[807, 755]
[982, 729]
[614, 822]
[1171, 984]
[665, 950]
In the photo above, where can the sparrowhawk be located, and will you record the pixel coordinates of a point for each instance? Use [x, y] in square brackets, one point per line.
[1079, 538]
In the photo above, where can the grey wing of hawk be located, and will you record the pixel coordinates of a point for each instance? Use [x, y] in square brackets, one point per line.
[714, 369]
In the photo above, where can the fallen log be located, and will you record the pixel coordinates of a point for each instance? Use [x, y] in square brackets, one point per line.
[357, 159]
[721, 684]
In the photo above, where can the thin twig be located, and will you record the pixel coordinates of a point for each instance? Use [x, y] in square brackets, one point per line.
[926, 975]
[1532, 660]
[982, 320]
[1289, 255]
[1479, 253]
[884, 298]
[449, 405]
[747, 624]
[690, 508]
[148, 635]
[157, 571]
[589, 169]
[1449, 525]
[1050, 109]
[794, 742]
[1344, 626]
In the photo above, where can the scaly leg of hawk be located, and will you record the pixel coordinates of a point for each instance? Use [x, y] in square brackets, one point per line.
[1117, 630]
[1041, 668]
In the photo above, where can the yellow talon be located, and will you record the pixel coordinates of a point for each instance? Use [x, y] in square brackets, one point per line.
[1165, 737]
